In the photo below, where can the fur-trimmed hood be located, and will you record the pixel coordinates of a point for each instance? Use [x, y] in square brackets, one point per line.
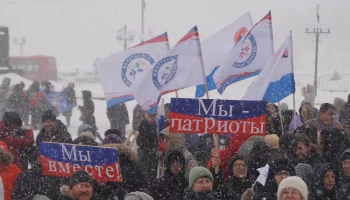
[123, 150]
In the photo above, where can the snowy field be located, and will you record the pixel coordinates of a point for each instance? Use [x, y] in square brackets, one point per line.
[233, 92]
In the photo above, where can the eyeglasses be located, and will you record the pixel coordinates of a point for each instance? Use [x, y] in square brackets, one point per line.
[282, 174]
[240, 166]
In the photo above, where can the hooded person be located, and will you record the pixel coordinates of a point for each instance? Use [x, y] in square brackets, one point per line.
[288, 145]
[344, 163]
[333, 142]
[305, 172]
[173, 184]
[326, 184]
[177, 141]
[32, 183]
[239, 180]
[71, 98]
[8, 173]
[133, 179]
[292, 187]
[53, 130]
[19, 141]
[279, 170]
[138, 196]
[87, 109]
[200, 184]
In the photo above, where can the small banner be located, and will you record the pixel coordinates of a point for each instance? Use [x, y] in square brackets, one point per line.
[65, 159]
[59, 101]
[217, 116]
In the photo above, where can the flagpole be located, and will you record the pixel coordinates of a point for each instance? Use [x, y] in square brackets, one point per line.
[295, 119]
[216, 136]
[280, 115]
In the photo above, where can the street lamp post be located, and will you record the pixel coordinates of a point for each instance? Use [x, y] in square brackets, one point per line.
[123, 36]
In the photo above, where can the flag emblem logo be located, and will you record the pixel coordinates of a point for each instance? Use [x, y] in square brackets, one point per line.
[164, 71]
[239, 34]
[134, 64]
[248, 51]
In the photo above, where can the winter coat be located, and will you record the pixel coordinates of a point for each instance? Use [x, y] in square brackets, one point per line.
[318, 190]
[191, 195]
[70, 92]
[88, 109]
[133, 179]
[298, 123]
[58, 134]
[8, 175]
[321, 125]
[273, 124]
[170, 186]
[269, 191]
[258, 157]
[32, 182]
[118, 116]
[137, 117]
[148, 147]
[333, 143]
[19, 144]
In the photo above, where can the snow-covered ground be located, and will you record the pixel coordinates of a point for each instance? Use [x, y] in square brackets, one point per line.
[233, 92]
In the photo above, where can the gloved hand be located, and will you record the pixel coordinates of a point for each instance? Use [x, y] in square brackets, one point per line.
[248, 194]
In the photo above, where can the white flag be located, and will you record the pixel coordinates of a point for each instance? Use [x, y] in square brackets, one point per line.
[181, 67]
[118, 72]
[247, 57]
[264, 172]
[276, 81]
[216, 47]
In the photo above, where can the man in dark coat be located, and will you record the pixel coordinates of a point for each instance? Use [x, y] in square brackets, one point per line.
[173, 184]
[33, 182]
[147, 142]
[70, 92]
[15, 100]
[19, 141]
[137, 117]
[53, 131]
[279, 170]
[118, 117]
[88, 109]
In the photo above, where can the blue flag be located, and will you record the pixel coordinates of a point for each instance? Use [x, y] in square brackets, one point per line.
[59, 101]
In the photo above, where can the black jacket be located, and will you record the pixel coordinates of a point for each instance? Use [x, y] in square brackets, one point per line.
[118, 116]
[88, 109]
[58, 133]
[32, 182]
[171, 187]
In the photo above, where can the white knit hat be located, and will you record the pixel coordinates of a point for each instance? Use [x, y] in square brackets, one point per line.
[293, 182]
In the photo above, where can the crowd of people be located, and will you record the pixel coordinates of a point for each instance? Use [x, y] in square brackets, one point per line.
[308, 154]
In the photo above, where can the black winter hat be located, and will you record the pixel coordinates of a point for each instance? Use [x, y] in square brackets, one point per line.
[345, 156]
[48, 115]
[172, 156]
[281, 164]
[12, 118]
[79, 177]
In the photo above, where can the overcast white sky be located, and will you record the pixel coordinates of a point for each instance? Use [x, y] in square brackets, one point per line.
[76, 32]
